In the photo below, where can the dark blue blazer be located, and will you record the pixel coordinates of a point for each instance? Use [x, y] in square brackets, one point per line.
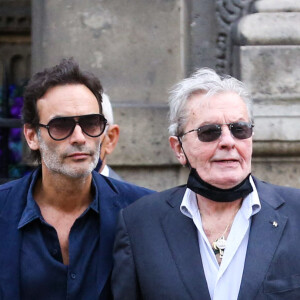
[157, 253]
[113, 195]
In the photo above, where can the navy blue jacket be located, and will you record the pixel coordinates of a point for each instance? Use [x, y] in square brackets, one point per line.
[113, 195]
[157, 253]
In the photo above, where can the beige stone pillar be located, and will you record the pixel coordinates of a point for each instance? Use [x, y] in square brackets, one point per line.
[266, 57]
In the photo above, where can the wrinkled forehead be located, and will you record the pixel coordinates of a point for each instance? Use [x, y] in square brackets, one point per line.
[67, 100]
[211, 107]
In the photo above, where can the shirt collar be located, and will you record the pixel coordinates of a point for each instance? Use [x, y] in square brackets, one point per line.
[32, 211]
[95, 203]
[105, 171]
[251, 204]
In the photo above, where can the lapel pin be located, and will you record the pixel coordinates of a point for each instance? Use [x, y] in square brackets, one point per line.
[275, 224]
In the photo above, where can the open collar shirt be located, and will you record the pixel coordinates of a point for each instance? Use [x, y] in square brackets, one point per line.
[42, 272]
[224, 280]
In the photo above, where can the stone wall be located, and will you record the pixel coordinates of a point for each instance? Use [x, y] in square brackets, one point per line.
[137, 50]
[266, 57]
[140, 48]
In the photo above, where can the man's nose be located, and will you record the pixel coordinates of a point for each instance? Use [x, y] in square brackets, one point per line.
[226, 139]
[78, 135]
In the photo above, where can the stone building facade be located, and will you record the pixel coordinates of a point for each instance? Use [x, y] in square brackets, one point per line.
[15, 62]
[140, 48]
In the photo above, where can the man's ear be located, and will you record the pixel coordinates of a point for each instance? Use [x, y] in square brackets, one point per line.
[31, 137]
[111, 138]
[175, 145]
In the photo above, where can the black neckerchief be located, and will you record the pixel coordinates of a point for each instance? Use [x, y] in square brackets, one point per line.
[197, 185]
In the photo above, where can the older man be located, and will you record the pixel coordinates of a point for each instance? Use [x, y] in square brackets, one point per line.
[57, 224]
[109, 140]
[224, 235]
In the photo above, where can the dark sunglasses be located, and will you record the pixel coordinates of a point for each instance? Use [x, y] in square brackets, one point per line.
[62, 127]
[211, 132]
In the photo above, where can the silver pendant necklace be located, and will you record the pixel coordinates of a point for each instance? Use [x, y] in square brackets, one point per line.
[219, 245]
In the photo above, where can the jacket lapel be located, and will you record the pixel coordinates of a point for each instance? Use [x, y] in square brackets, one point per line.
[109, 208]
[11, 237]
[266, 230]
[9, 260]
[182, 238]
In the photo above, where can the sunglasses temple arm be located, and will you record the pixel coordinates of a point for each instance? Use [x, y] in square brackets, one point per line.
[187, 160]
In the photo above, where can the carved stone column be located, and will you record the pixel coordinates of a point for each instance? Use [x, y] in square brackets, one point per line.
[266, 57]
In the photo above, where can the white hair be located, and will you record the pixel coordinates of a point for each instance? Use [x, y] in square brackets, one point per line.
[205, 81]
[107, 109]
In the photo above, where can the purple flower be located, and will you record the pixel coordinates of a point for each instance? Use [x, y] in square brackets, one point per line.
[15, 111]
[15, 134]
[18, 101]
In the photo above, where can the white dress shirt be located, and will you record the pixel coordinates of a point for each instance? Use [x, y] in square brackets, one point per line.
[105, 171]
[224, 280]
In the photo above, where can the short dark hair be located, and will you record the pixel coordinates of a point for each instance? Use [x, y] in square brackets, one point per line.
[66, 72]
